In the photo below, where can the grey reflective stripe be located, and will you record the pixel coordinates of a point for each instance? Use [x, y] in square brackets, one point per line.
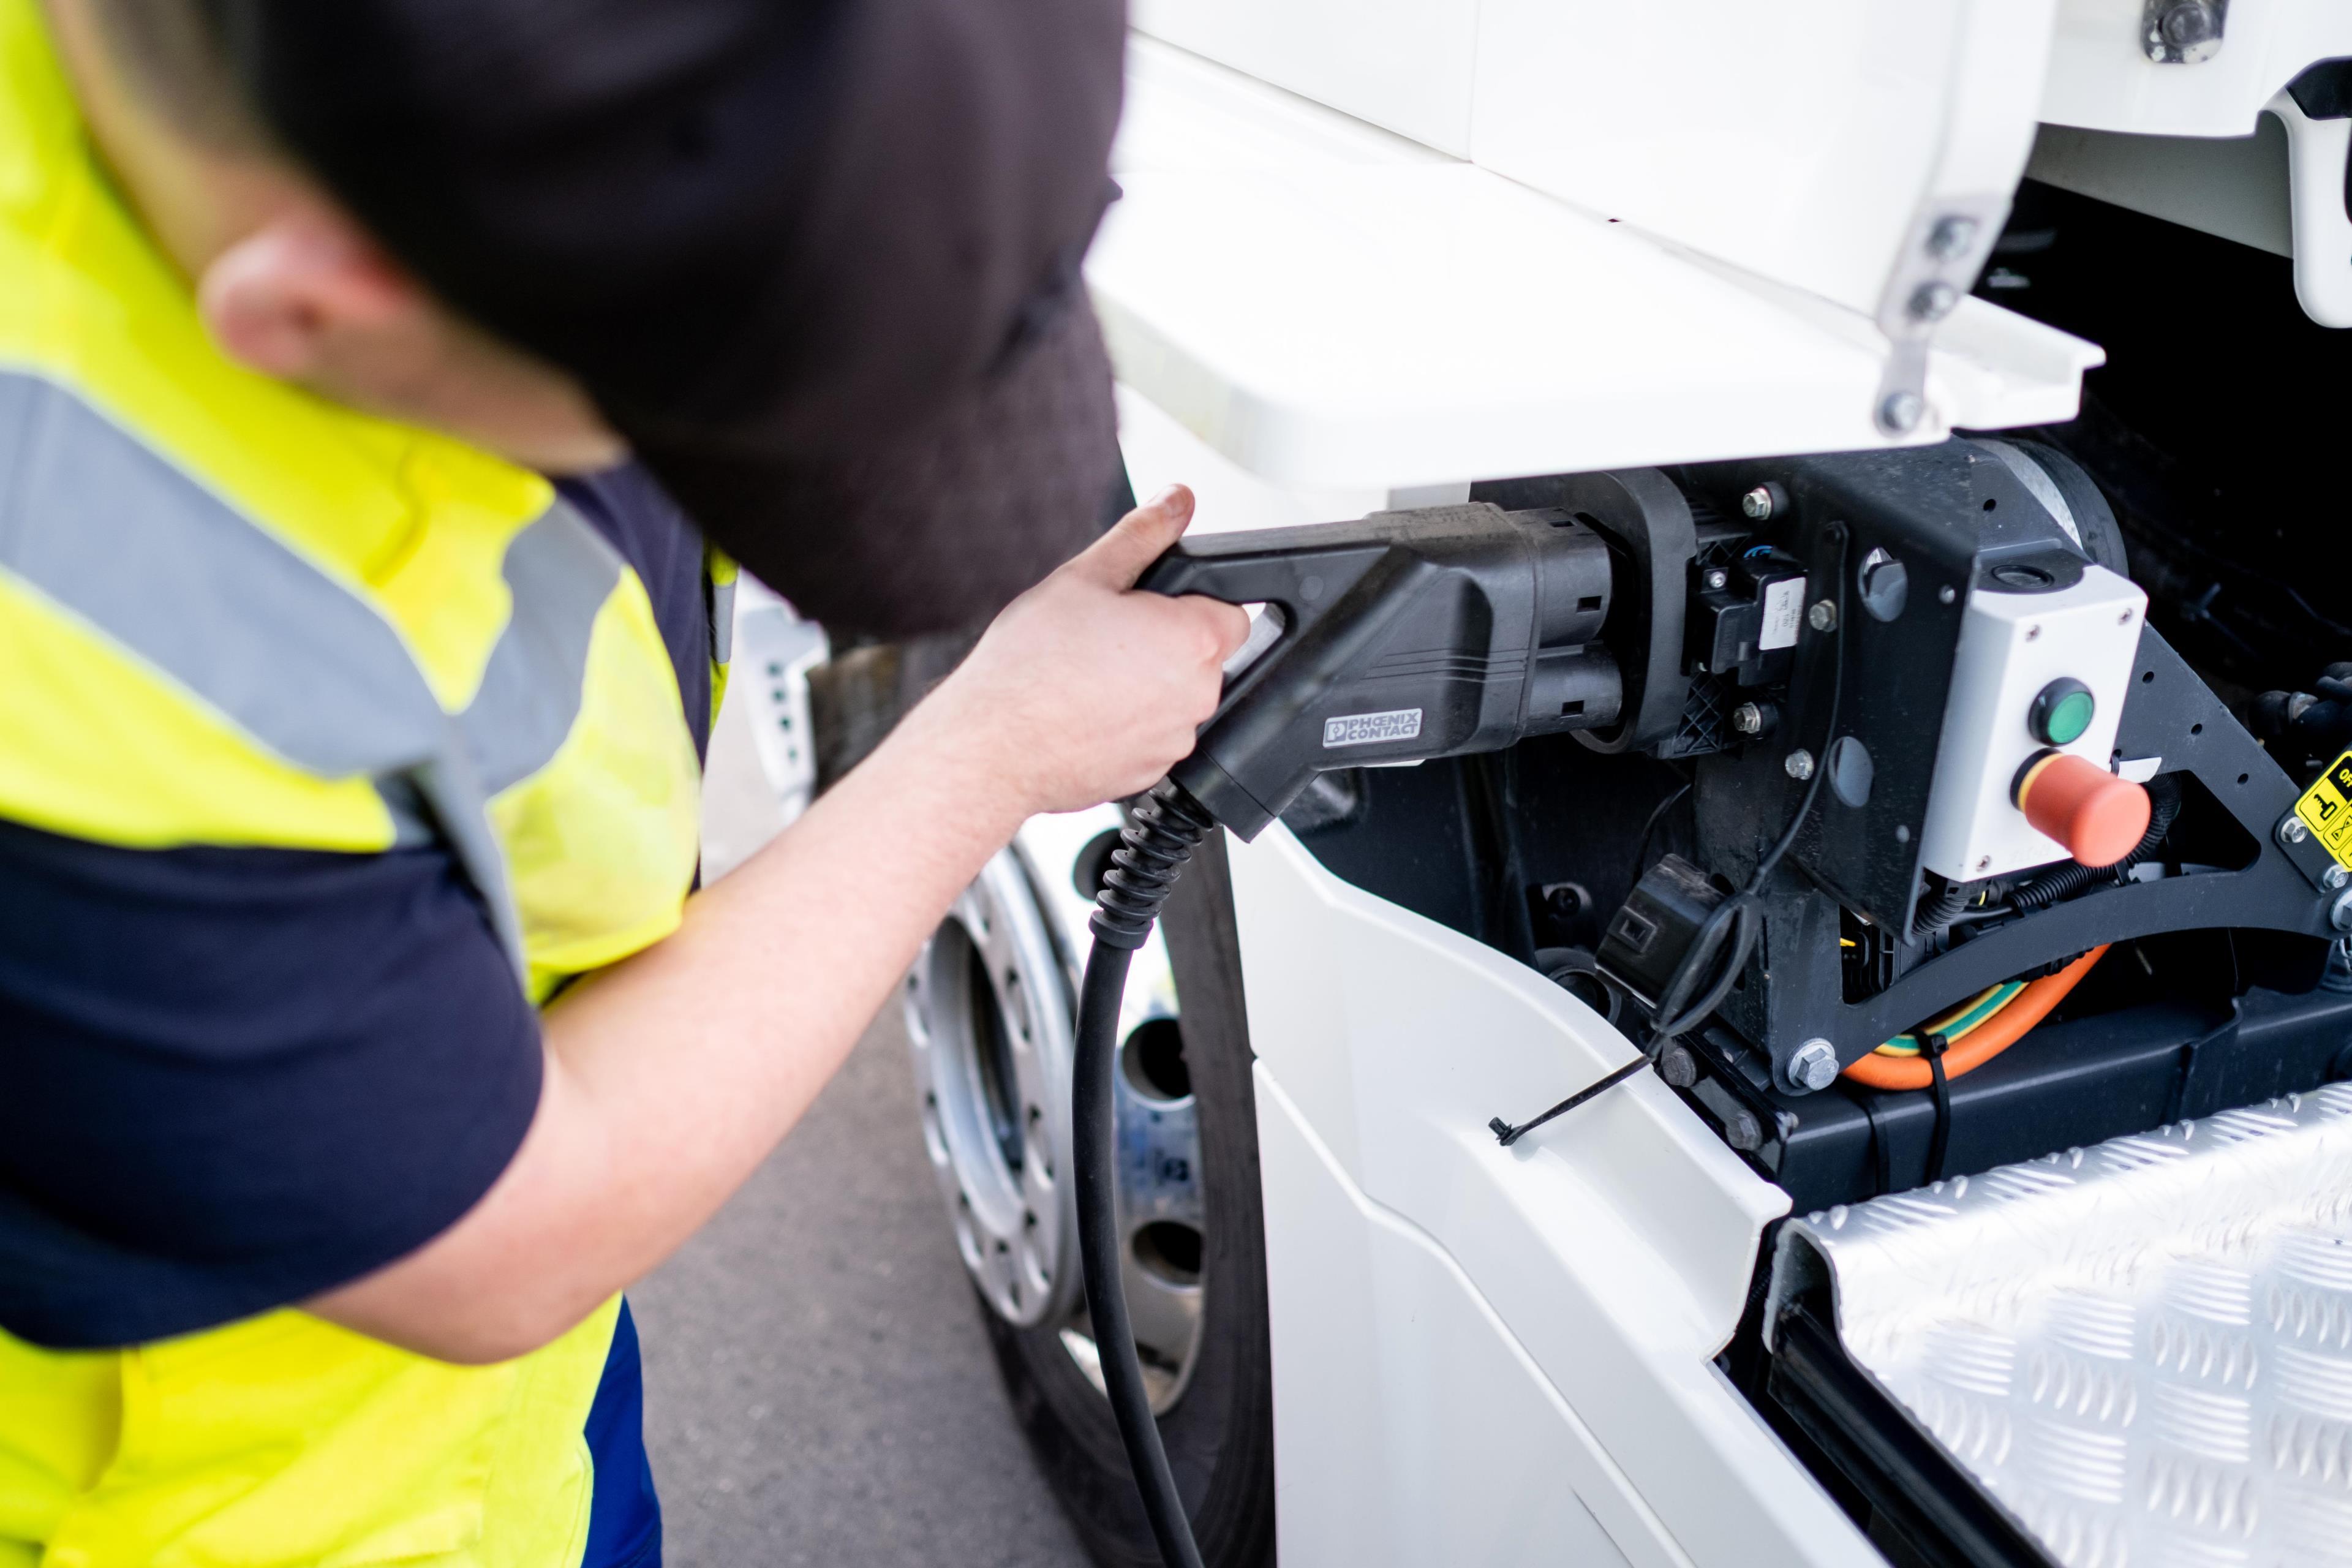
[722, 621]
[110, 530]
[107, 528]
[560, 572]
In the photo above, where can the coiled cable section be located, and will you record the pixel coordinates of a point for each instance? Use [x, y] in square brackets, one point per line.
[1936, 915]
[1159, 839]
[2064, 882]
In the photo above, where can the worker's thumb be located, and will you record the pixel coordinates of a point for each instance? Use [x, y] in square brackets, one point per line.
[1136, 540]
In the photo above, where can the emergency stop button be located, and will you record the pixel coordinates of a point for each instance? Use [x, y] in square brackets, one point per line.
[2100, 818]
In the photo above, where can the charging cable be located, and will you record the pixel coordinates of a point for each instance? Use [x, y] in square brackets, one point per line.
[1164, 831]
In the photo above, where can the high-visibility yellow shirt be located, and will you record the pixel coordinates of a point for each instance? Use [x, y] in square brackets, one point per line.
[234, 614]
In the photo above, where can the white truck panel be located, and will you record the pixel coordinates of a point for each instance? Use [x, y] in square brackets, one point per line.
[2101, 77]
[1402, 63]
[1615, 1246]
[1336, 309]
[1410, 1426]
[1798, 141]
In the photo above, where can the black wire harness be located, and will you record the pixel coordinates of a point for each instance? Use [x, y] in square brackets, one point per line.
[1159, 839]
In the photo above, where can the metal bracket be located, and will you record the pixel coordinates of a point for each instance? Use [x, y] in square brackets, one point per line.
[2182, 32]
[1949, 241]
[2308, 856]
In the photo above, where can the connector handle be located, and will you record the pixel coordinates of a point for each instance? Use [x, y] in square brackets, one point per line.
[1274, 567]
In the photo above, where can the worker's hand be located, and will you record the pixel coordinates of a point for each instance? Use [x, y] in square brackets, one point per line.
[1084, 690]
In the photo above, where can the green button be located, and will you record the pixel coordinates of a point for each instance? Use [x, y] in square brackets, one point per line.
[2062, 710]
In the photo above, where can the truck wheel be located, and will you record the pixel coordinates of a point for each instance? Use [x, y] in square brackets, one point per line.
[989, 1011]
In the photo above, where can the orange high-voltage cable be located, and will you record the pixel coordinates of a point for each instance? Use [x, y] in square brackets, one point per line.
[1997, 1035]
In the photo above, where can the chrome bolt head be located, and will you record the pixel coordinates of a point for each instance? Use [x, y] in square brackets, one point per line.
[1798, 764]
[1717, 577]
[2336, 878]
[1900, 412]
[1934, 302]
[1822, 616]
[1756, 504]
[2189, 24]
[1951, 236]
[2339, 913]
[2293, 831]
[1815, 1065]
[1748, 719]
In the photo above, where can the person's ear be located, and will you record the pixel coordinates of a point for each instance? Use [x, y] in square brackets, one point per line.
[279, 299]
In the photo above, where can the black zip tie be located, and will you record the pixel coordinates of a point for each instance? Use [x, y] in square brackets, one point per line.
[1506, 1135]
[1931, 1046]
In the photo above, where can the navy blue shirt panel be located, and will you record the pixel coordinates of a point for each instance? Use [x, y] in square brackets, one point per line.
[630, 510]
[232, 1078]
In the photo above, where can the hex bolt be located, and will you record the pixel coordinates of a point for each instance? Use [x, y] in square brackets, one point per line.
[1822, 616]
[2339, 913]
[1756, 504]
[1815, 1065]
[1951, 236]
[2188, 24]
[2334, 878]
[1715, 577]
[2293, 831]
[1743, 1131]
[1901, 411]
[1678, 1067]
[1748, 719]
[1947, 594]
[1933, 301]
[1798, 764]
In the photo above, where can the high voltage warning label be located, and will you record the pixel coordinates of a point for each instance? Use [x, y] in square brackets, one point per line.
[2326, 808]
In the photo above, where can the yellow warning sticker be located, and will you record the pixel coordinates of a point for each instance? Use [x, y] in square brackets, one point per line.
[2326, 808]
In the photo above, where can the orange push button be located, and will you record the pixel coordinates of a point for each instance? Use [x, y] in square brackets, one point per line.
[2100, 818]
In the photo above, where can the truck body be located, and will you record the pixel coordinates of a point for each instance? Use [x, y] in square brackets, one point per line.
[1773, 300]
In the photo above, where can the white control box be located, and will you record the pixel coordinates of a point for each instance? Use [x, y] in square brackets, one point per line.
[2012, 645]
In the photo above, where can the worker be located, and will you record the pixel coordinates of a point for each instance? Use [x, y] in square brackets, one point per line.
[360, 1036]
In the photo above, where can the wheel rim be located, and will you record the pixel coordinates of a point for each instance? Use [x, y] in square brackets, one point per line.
[990, 1033]
[990, 1006]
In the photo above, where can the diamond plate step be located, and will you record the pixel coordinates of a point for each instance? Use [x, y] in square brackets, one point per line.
[2141, 1350]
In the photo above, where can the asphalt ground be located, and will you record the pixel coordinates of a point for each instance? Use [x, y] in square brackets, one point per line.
[818, 1388]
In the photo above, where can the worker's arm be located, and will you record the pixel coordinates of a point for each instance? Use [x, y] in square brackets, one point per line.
[670, 1075]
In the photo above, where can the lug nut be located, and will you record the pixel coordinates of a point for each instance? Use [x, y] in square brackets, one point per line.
[1756, 504]
[1815, 1065]
[1798, 764]
[1822, 616]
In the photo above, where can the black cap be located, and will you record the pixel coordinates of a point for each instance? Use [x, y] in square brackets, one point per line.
[817, 261]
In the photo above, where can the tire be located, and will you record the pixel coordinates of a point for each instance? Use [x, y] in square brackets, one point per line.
[1219, 1434]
